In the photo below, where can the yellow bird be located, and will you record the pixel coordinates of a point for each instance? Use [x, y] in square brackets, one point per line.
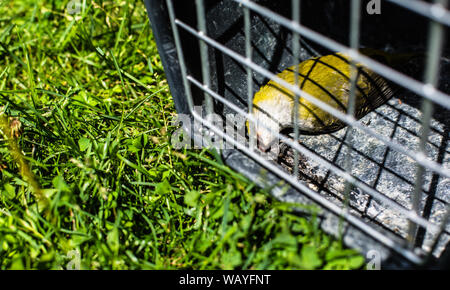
[326, 78]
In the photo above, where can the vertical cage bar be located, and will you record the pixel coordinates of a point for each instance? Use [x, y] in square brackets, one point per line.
[296, 54]
[201, 26]
[354, 44]
[248, 55]
[434, 50]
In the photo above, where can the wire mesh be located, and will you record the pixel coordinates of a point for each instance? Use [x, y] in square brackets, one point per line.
[407, 241]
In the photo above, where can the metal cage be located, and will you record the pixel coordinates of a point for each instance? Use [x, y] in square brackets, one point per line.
[382, 182]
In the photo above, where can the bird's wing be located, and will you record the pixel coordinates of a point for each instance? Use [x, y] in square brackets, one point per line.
[376, 93]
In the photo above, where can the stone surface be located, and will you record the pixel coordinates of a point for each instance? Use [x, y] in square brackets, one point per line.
[389, 172]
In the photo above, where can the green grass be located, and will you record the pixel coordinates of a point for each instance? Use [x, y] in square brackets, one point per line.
[86, 164]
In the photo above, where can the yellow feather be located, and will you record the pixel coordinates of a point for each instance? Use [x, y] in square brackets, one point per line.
[327, 78]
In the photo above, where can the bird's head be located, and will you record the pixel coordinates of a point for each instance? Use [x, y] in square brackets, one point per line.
[271, 115]
[265, 130]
